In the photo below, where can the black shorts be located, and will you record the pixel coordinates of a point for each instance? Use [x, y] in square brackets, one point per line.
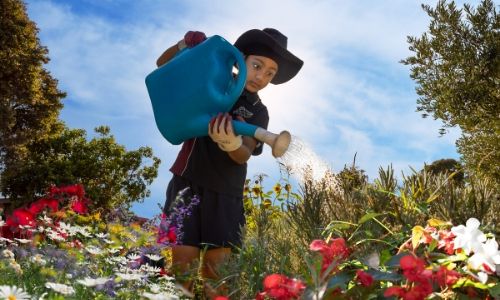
[215, 222]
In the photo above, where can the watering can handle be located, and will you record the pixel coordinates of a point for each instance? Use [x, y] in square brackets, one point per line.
[237, 87]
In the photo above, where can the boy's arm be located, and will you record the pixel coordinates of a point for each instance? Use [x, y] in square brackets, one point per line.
[170, 52]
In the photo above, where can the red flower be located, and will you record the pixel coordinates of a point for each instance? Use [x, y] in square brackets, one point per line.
[21, 216]
[445, 277]
[412, 267]
[332, 253]
[70, 190]
[79, 206]
[280, 287]
[40, 205]
[396, 291]
[221, 298]
[446, 238]
[364, 278]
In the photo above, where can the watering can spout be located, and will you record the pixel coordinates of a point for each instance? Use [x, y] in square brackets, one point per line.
[278, 142]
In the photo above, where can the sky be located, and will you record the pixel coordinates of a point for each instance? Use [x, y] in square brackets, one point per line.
[352, 97]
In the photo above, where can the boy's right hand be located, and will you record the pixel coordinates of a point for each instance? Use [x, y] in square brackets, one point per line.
[193, 38]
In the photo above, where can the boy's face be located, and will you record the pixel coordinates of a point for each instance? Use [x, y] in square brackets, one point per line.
[260, 71]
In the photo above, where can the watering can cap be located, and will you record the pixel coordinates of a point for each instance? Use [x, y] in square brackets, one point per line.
[271, 43]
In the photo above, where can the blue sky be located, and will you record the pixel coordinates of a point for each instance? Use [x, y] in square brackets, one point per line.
[351, 97]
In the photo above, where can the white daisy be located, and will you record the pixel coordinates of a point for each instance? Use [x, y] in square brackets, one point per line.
[94, 250]
[133, 256]
[102, 235]
[130, 276]
[13, 292]
[60, 288]
[154, 257]
[162, 296]
[93, 281]
[38, 259]
[22, 241]
[7, 253]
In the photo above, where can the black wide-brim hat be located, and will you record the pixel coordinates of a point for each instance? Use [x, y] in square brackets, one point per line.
[271, 43]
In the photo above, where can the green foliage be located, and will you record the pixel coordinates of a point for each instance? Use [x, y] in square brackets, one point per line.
[112, 175]
[29, 99]
[456, 66]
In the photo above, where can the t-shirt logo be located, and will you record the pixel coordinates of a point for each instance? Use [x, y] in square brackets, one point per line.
[243, 112]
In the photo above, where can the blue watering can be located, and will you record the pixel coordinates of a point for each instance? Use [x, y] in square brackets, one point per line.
[195, 86]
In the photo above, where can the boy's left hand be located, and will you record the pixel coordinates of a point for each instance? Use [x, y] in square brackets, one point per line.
[220, 130]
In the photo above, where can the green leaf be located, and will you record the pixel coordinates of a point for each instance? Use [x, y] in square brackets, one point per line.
[340, 280]
[385, 276]
[368, 217]
[495, 290]
[394, 261]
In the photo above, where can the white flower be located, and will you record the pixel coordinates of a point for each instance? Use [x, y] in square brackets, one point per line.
[55, 236]
[482, 277]
[7, 253]
[109, 242]
[162, 296]
[487, 254]
[1, 222]
[60, 288]
[130, 276]
[37, 258]
[133, 256]
[154, 257]
[93, 281]
[102, 235]
[13, 292]
[113, 250]
[94, 250]
[2, 239]
[46, 219]
[22, 241]
[468, 237]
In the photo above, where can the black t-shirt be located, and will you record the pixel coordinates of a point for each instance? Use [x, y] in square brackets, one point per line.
[204, 163]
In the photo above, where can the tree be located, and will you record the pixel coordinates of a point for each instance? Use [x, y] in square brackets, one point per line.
[29, 99]
[456, 65]
[36, 148]
[446, 166]
[111, 175]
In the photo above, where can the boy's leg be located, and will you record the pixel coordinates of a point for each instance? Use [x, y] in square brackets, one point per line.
[211, 261]
[182, 260]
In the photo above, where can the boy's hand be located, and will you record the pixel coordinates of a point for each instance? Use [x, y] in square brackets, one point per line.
[193, 38]
[220, 129]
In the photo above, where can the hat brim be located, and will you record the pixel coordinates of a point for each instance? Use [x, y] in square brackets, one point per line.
[288, 64]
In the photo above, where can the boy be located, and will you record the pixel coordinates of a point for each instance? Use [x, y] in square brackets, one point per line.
[214, 167]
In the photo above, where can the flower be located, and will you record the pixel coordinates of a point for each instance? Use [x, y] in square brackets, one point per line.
[364, 278]
[161, 296]
[445, 277]
[280, 287]
[60, 288]
[13, 292]
[468, 237]
[92, 281]
[486, 256]
[332, 253]
[412, 267]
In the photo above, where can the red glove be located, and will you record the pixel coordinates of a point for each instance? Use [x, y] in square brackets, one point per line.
[193, 38]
